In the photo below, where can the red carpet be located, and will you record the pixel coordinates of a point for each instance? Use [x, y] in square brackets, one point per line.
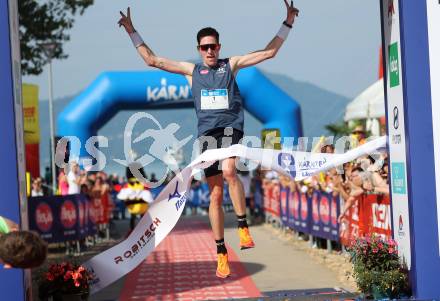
[183, 268]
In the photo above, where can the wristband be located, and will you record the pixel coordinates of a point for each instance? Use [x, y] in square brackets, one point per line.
[136, 39]
[283, 32]
[287, 24]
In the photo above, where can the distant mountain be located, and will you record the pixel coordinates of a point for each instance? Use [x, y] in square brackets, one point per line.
[319, 107]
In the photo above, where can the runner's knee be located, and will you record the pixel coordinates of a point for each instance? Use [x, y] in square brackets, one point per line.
[230, 175]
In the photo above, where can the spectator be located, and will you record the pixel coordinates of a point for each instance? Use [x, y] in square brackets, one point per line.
[359, 134]
[36, 187]
[63, 185]
[354, 190]
[20, 249]
[373, 181]
[74, 179]
[136, 197]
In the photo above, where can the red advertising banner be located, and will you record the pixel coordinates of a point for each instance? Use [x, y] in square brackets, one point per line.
[371, 214]
[377, 217]
[272, 199]
[349, 227]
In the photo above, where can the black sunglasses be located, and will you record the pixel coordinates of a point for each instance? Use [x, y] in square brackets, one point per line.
[205, 47]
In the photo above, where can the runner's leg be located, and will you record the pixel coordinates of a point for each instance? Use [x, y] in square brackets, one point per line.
[216, 214]
[235, 186]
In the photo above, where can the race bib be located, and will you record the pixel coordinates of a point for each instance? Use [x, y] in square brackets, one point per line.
[216, 99]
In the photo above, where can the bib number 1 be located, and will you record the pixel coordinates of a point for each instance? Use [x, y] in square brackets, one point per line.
[216, 99]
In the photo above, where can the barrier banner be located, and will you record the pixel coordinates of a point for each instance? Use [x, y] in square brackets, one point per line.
[305, 213]
[165, 211]
[325, 209]
[284, 205]
[349, 227]
[82, 217]
[92, 215]
[335, 211]
[293, 210]
[376, 215]
[59, 218]
[371, 214]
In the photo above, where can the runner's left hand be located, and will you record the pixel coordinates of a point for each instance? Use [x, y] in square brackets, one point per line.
[292, 12]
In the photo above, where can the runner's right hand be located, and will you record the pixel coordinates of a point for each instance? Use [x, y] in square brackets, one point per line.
[126, 21]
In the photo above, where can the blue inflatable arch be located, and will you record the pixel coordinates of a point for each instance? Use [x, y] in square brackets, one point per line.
[115, 91]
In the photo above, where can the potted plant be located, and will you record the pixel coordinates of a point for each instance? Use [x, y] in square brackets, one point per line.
[377, 268]
[65, 282]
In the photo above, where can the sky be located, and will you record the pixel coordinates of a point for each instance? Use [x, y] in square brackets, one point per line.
[334, 43]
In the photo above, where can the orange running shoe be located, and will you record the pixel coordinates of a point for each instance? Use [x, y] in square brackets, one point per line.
[246, 241]
[223, 270]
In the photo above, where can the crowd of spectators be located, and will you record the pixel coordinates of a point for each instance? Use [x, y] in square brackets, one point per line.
[365, 175]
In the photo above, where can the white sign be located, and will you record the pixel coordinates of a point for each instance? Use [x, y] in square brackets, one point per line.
[433, 10]
[396, 128]
[19, 129]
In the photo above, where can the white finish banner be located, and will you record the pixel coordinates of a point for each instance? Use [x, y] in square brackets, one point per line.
[166, 209]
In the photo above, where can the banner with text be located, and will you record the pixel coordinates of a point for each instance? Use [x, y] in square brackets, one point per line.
[164, 213]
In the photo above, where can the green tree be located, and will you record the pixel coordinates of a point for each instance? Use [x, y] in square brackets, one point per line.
[339, 129]
[43, 21]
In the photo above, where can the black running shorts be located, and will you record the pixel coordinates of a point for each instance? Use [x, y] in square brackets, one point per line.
[218, 134]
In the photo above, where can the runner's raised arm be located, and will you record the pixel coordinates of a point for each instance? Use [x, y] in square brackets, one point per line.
[238, 62]
[148, 55]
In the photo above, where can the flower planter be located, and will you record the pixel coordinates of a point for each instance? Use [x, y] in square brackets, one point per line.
[378, 294]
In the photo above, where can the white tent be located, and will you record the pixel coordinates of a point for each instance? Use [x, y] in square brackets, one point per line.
[367, 105]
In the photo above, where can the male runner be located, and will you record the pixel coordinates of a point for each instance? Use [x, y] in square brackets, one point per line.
[219, 109]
